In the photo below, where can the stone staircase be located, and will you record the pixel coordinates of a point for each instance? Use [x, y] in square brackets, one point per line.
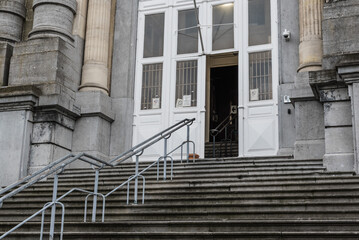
[251, 198]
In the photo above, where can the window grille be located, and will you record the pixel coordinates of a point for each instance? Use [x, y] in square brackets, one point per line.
[260, 76]
[186, 84]
[151, 86]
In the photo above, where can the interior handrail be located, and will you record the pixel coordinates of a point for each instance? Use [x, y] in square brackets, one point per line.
[215, 131]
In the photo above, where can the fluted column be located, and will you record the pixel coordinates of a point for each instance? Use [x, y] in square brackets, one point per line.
[311, 46]
[12, 16]
[95, 69]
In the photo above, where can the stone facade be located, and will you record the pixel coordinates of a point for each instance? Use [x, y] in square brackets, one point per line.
[67, 71]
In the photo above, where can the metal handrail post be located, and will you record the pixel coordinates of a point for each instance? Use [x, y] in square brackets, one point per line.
[53, 209]
[214, 146]
[136, 179]
[188, 143]
[226, 139]
[165, 159]
[95, 190]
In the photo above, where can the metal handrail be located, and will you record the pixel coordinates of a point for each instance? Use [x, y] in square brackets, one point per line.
[222, 126]
[53, 168]
[150, 141]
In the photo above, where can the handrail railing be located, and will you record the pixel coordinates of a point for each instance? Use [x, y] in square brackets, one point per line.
[58, 167]
[222, 126]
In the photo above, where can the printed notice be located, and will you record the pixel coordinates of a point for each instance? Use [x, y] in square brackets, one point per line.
[155, 103]
[187, 100]
[179, 103]
[254, 94]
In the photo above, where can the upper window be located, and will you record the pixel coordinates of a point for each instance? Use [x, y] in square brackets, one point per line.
[187, 41]
[154, 35]
[223, 27]
[259, 22]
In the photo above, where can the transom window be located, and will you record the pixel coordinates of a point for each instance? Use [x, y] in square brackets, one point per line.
[223, 27]
[187, 40]
[154, 35]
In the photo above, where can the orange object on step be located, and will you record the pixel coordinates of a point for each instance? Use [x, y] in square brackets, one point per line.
[190, 156]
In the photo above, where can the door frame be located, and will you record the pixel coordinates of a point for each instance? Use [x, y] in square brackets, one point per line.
[215, 61]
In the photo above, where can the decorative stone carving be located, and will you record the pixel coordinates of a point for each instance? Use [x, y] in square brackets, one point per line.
[53, 18]
[12, 15]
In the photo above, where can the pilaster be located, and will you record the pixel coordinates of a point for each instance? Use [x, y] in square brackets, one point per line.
[333, 93]
[349, 73]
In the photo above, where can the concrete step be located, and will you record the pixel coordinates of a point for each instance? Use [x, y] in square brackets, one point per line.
[197, 236]
[195, 167]
[206, 208]
[333, 214]
[198, 226]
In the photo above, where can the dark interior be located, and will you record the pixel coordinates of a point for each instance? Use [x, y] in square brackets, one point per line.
[224, 93]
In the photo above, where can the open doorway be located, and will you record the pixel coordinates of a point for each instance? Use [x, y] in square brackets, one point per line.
[222, 102]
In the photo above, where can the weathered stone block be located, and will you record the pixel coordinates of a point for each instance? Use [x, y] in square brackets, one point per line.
[337, 114]
[309, 149]
[50, 132]
[339, 140]
[92, 134]
[309, 120]
[93, 130]
[340, 31]
[43, 154]
[15, 131]
[45, 61]
[339, 162]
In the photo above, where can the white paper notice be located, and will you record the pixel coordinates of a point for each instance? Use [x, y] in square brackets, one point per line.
[187, 100]
[155, 103]
[254, 94]
[179, 103]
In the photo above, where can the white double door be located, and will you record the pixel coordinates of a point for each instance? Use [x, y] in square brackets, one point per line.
[258, 120]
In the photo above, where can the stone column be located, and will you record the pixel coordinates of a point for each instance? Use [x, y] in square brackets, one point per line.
[53, 18]
[311, 45]
[12, 15]
[95, 69]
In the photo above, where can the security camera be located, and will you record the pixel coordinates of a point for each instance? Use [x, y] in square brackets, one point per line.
[286, 34]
